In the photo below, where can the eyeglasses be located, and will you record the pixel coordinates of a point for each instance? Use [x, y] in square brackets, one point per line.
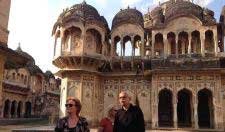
[69, 105]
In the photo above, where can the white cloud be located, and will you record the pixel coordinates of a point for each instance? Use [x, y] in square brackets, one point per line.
[203, 3]
[126, 3]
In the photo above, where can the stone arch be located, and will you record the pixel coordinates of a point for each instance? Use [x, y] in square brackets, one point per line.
[195, 42]
[71, 39]
[57, 48]
[28, 109]
[137, 45]
[94, 41]
[117, 45]
[13, 109]
[165, 108]
[209, 42]
[7, 105]
[127, 46]
[183, 43]
[159, 45]
[171, 43]
[184, 108]
[205, 108]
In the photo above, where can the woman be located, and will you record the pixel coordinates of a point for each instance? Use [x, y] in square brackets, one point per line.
[106, 124]
[72, 122]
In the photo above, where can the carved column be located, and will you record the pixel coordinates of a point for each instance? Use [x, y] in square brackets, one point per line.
[153, 45]
[133, 52]
[189, 43]
[165, 42]
[112, 48]
[121, 52]
[142, 46]
[202, 43]
[196, 112]
[62, 42]
[175, 110]
[215, 42]
[176, 45]
[55, 41]
[122, 48]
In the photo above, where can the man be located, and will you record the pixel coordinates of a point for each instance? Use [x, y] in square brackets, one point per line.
[129, 118]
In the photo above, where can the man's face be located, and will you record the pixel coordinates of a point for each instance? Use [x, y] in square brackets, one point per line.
[124, 99]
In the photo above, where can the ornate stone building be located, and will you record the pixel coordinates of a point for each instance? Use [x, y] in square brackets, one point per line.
[170, 60]
[25, 91]
[28, 92]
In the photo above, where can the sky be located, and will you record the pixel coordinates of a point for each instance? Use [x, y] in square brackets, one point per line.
[31, 22]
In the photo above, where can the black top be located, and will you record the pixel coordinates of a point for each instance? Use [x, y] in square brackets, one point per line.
[62, 125]
[131, 120]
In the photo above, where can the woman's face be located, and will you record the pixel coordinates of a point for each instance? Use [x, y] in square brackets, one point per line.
[71, 107]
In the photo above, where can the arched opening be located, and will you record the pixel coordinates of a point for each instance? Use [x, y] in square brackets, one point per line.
[28, 109]
[137, 45]
[159, 46]
[6, 108]
[183, 43]
[209, 42]
[19, 109]
[220, 37]
[184, 110]
[171, 43]
[13, 109]
[117, 46]
[57, 44]
[165, 108]
[205, 109]
[93, 41]
[127, 46]
[71, 40]
[195, 42]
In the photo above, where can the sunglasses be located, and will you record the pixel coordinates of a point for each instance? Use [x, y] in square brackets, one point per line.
[69, 105]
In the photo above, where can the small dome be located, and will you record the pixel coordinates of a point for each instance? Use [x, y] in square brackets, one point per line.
[172, 9]
[26, 55]
[49, 74]
[128, 16]
[82, 12]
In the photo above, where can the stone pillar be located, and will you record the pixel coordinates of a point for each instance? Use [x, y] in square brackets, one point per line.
[133, 52]
[2, 63]
[122, 53]
[142, 52]
[215, 42]
[122, 48]
[153, 45]
[176, 45]
[112, 48]
[175, 110]
[55, 41]
[202, 43]
[189, 43]
[165, 43]
[195, 103]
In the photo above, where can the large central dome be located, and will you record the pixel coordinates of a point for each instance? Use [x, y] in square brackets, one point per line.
[128, 16]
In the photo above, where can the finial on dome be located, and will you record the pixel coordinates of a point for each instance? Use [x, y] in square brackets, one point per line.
[19, 47]
[128, 7]
[84, 2]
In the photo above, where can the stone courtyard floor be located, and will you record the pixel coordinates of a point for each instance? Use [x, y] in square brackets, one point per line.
[21, 128]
